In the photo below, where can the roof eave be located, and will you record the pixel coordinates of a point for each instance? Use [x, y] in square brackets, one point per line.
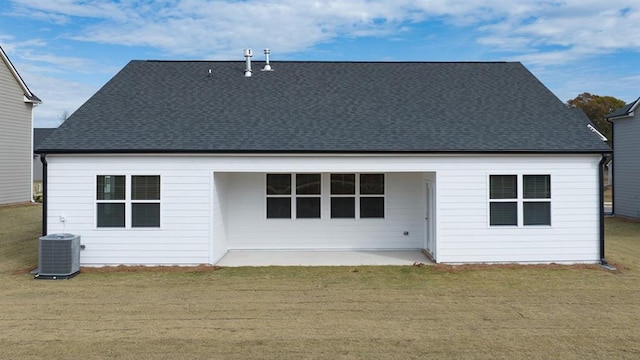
[635, 105]
[32, 99]
[310, 152]
[620, 117]
[629, 113]
[28, 95]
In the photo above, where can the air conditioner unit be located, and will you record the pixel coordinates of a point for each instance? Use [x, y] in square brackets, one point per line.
[59, 256]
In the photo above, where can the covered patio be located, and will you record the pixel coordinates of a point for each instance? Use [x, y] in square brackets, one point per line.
[245, 231]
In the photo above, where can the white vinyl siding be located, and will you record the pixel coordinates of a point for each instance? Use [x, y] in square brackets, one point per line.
[185, 217]
[519, 200]
[214, 203]
[250, 229]
[15, 140]
[463, 234]
[219, 200]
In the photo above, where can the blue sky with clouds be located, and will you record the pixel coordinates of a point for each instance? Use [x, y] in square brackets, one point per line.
[67, 49]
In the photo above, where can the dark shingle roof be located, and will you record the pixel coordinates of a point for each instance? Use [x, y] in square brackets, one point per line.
[176, 106]
[622, 111]
[39, 134]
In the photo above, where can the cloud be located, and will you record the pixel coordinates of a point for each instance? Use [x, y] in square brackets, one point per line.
[37, 56]
[57, 100]
[55, 63]
[60, 81]
[556, 33]
[201, 28]
[548, 33]
[62, 11]
[60, 90]
[216, 28]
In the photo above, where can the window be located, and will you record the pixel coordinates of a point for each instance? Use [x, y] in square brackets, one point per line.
[536, 208]
[503, 195]
[299, 196]
[278, 196]
[343, 196]
[113, 201]
[286, 192]
[111, 204]
[369, 194]
[145, 197]
[506, 200]
[308, 196]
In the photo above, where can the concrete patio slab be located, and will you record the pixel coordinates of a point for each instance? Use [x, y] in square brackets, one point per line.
[236, 258]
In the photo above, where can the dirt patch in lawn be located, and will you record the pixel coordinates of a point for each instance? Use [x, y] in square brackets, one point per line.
[480, 267]
[134, 269]
[168, 269]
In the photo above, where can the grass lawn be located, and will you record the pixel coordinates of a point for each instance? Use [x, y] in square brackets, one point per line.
[443, 312]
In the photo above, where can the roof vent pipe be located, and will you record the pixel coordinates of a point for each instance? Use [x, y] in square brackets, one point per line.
[248, 54]
[267, 67]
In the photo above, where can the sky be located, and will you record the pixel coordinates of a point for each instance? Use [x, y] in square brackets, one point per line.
[65, 50]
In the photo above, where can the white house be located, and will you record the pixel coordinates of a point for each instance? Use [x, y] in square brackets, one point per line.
[178, 162]
[16, 122]
[626, 155]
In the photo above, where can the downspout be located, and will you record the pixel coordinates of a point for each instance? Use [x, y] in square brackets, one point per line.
[33, 200]
[603, 262]
[43, 159]
[613, 175]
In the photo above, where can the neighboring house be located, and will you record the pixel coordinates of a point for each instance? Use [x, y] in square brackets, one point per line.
[16, 122]
[177, 162]
[39, 134]
[626, 156]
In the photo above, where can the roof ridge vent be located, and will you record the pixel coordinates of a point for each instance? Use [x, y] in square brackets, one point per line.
[248, 54]
[267, 67]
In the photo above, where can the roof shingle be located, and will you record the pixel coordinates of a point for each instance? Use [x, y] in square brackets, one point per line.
[177, 106]
[623, 110]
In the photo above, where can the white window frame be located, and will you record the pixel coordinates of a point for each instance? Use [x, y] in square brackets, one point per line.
[537, 200]
[118, 201]
[357, 195]
[519, 200]
[325, 196]
[153, 201]
[293, 195]
[277, 196]
[356, 190]
[128, 211]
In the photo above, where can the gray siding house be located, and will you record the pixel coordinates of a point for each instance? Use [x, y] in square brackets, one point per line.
[16, 123]
[626, 157]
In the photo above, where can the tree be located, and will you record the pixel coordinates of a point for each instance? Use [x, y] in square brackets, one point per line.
[596, 107]
[64, 116]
